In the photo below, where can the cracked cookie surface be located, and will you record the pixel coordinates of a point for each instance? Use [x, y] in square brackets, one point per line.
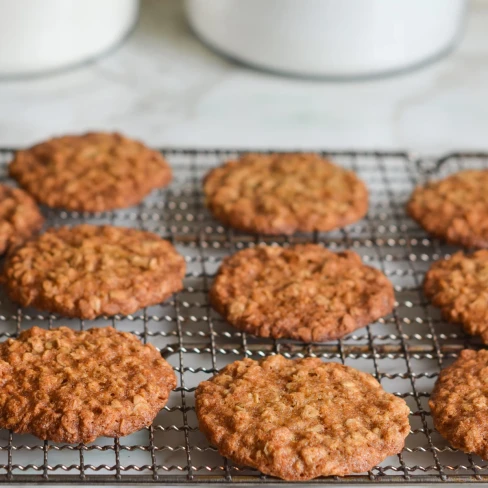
[70, 386]
[455, 208]
[20, 217]
[459, 287]
[459, 403]
[87, 271]
[304, 292]
[285, 193]
[299, 419]
[92, 172]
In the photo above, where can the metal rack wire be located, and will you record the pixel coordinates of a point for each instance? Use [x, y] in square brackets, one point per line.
[405, 350]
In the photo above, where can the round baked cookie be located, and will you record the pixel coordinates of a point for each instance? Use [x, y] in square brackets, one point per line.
[299, 419]
[285, 193]
[459, 403]
[459, 287]
[20, 217]
[91, 172]
[304, 292]
[87, 271]
[67, 386]
[455, 208]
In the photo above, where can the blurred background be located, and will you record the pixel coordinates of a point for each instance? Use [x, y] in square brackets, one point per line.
[348, 81]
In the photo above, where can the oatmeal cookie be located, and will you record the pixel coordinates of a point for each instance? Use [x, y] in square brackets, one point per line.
[87, 271]
[459, 287]
[68, 386]
[455, 208]
[304, 292]
[91, 172]
[459, 403]
[299, 419]
[285, 193]
[20, 217]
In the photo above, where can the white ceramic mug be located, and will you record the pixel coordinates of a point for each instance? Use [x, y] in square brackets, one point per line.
[343, 38]
[43, 35]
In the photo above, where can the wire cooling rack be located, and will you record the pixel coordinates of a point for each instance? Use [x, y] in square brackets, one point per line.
[405, 350]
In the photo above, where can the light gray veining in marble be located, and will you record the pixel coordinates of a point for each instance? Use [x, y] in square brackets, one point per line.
[164, 87]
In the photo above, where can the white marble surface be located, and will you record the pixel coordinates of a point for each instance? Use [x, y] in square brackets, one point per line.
[164, 87]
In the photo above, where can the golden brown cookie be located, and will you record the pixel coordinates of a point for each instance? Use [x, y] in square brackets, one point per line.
[454, 209]
[459, 403]
[285, 193]
[91, 172]
[459, 287]
[20, 217]
[68, 386]
[299, 419]
[304, 292]
[87, 271]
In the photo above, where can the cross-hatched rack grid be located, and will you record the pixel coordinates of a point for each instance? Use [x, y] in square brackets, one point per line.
[404, 351]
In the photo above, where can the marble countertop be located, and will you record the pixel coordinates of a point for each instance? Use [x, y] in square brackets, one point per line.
[166, 88]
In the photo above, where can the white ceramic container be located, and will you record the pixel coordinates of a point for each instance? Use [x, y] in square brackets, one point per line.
[338, 38]
[43, 35]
